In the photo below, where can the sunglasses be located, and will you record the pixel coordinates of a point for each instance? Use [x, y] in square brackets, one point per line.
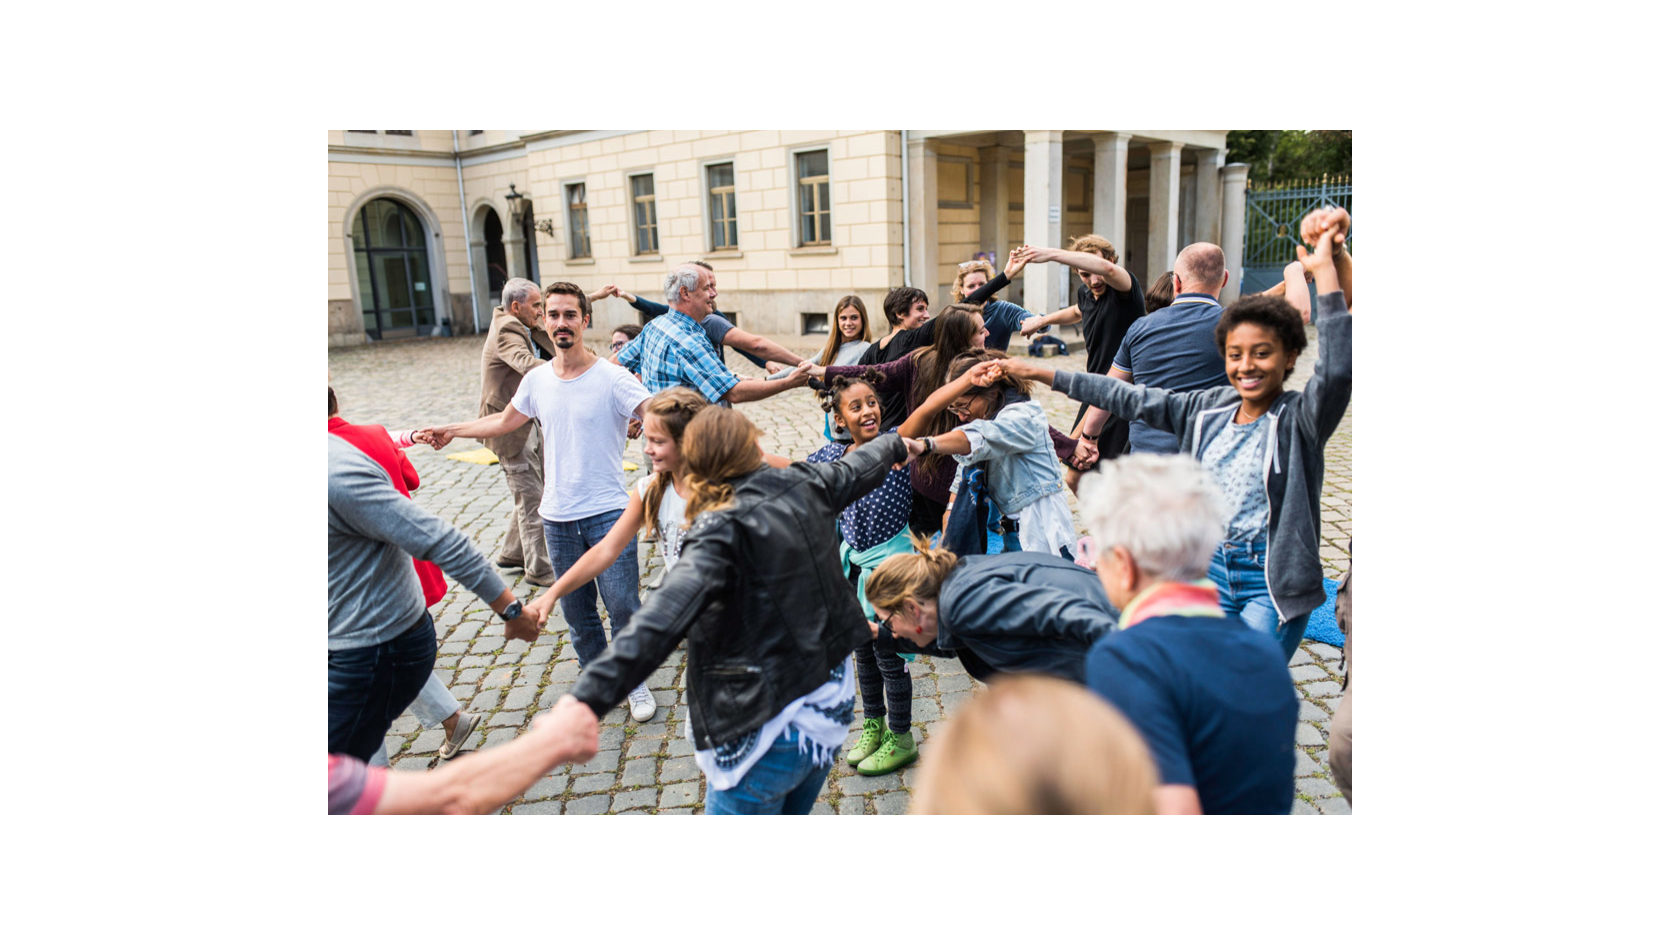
[971, 264]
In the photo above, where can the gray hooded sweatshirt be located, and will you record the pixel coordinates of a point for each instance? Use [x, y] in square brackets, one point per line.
[1300, 423]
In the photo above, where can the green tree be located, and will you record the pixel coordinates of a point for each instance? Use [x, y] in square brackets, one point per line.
[1274, 156]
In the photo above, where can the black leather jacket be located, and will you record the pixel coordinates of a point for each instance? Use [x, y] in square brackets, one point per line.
[760, 594]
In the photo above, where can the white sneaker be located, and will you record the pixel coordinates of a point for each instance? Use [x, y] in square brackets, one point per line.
[641, 703]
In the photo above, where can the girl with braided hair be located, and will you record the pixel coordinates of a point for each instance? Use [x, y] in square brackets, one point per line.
[872, 528]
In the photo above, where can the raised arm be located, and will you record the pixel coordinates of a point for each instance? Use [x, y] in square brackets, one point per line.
[1158, 407]
[748, 343]
[859, 472]
[1113, 274]
[1325, 398]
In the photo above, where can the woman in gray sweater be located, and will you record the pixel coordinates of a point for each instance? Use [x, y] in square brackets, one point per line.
[1264, 445]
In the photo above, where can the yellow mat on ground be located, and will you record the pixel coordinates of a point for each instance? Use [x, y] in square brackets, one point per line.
[484, 457]
[481, 456]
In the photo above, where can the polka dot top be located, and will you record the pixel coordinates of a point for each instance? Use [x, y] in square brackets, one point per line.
[877, 516]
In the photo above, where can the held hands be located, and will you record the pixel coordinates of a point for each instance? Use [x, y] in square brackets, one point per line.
[423, 436]
[539, 610]
[1320, 264]
[1084, 455]
[634, 430]
[436, 437]
[1315, 223]
[571, 725]
[524, 627]
[1035, 254]
[603, 292]
[913, 445]
[1017, 261]
[984, 374]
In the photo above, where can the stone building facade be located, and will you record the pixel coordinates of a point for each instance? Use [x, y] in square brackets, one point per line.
[424, 226]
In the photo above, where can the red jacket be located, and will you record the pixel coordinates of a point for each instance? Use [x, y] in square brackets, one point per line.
[373, 440]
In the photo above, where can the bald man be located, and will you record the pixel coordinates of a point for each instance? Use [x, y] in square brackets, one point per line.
[1174, 347]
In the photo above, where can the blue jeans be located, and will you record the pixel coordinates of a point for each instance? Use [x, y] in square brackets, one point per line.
[567, 542]
[784, 781]
[1239, 568]
[369, 686]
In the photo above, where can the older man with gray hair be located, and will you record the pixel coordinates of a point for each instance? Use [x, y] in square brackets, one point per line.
[1207, 693]
[514, 345]
[674, 349]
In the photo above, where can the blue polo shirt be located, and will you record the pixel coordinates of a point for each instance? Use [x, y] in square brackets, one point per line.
[1213, 700]
[1173, 348]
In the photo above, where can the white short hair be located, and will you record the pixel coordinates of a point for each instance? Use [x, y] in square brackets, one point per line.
[518, 289]
[1164, 509]
[686, 276]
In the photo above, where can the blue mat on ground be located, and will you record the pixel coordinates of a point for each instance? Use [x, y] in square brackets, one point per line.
[1321, 626]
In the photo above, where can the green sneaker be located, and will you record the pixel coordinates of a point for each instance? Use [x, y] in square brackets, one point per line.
[868, 740]
[895, 752]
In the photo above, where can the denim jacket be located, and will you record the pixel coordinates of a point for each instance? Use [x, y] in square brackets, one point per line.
[1020, 458]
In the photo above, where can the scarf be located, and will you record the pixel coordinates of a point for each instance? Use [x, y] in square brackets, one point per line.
[1173, 599]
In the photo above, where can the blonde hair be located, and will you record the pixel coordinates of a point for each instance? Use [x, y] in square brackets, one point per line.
[718, 445]
[675, 407]
[917, 574]
[832, 349]
[1036, 745]
[963, 269]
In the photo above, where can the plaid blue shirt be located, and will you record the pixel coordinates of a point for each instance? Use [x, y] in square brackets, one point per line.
[673, 350]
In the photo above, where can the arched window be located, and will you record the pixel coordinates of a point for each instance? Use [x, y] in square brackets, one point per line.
[393, 270]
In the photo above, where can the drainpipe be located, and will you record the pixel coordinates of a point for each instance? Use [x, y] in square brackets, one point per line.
[466, 227]
[904, 196]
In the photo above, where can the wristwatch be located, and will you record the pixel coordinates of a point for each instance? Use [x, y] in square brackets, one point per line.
[512, 613]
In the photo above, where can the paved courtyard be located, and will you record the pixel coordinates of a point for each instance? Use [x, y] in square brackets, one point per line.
[649, 768]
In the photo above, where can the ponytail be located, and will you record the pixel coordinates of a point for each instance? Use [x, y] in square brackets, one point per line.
[918, 574]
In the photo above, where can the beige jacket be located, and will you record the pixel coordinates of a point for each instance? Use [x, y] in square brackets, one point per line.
[507, 357]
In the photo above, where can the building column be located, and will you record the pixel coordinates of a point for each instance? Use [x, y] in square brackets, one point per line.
[1164, 157]
[994, 203]
[1208, 194]
[924, 218]
[1108, 191]
[1043, 283]
[1232, 226]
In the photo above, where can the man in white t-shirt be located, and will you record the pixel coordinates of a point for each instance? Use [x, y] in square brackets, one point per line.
[584, 405]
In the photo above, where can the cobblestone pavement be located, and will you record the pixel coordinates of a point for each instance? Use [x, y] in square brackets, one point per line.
[649, 768]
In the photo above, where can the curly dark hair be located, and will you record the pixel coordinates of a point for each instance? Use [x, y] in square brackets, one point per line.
[830, 395]
[1267, 311]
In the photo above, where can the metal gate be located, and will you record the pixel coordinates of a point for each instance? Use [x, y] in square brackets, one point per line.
[1273, 225]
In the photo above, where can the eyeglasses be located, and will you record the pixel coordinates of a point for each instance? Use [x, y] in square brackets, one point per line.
[617, 345]
[971, 264]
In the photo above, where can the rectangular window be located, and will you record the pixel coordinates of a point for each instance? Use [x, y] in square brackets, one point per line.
[408, 134]
[720, 188]
[577, 220]
[814, 226]
[813, 323]
[647, 223]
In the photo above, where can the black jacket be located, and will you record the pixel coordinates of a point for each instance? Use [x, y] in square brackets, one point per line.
[1025, 612]
[760, 594]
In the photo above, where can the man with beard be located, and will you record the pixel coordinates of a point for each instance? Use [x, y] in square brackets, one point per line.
[585, 404]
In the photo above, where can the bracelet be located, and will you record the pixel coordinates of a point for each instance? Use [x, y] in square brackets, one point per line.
[928, 444]
[1087, 437]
